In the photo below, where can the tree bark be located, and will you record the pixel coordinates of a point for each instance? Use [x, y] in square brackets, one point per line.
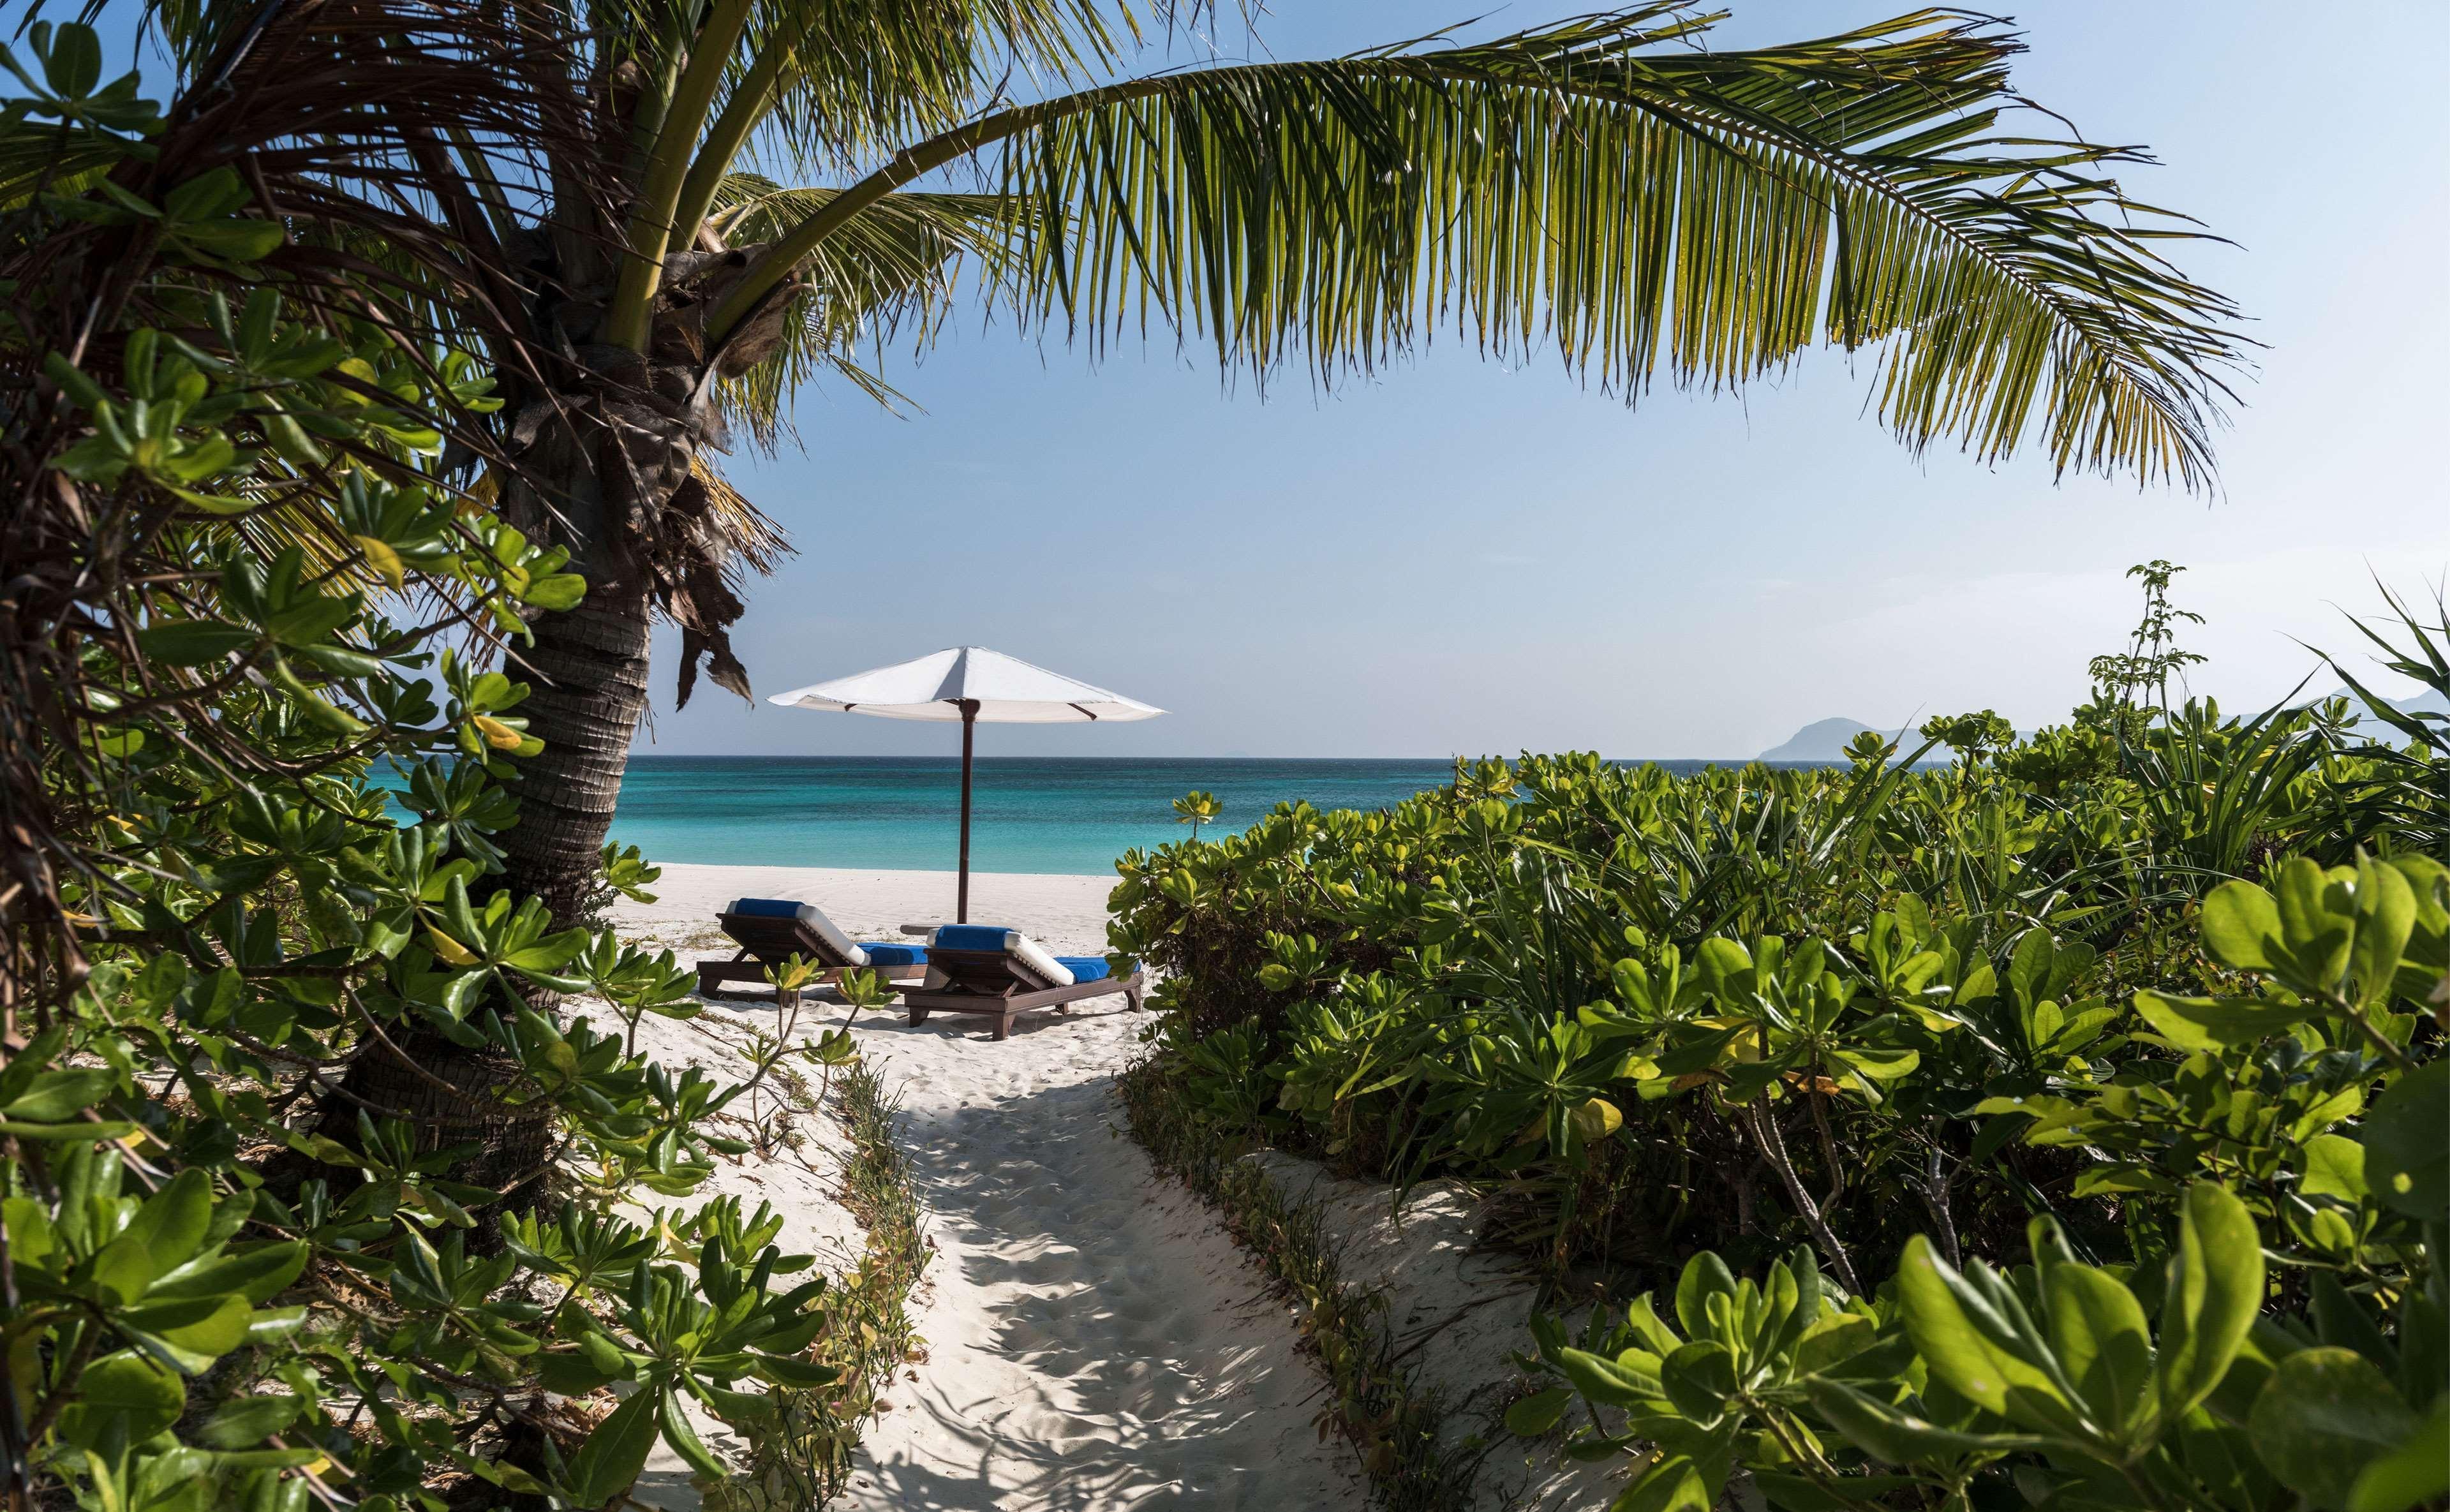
[589, 672]
[453, 1094]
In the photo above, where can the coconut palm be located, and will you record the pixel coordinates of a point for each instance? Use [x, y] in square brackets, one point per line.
[1604, 188]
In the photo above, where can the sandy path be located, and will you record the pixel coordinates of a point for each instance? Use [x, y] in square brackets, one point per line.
[1096, 1340]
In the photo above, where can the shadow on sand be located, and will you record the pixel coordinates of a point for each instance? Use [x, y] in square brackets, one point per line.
[1105, 1346]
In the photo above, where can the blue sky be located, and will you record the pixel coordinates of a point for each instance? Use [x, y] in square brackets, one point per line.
[1452, 557]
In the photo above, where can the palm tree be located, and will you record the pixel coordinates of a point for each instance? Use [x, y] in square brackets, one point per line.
[1605, 187]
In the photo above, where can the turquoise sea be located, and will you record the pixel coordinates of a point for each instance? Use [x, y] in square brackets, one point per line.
[1032, 814]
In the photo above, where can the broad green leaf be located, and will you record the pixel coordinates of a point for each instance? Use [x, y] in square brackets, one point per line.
[2335, 1167]
[1610, 1383]
[1699, 1380]
[244, 1422]
[2099, 1180]
[124, 1390]
[785, 1370]
[2098, 1331]
[572, 1373]
[1724, 966]
[194, 642]
[57, 1095]
[1878, 1064]
[2317, 922]
[1829, 1342]
[163, 1234]
[256, 1274]
[1674, 1484]
[2407, 1159]
[1539, 1412]
[1954, 1331]
[609, 1463]
[189, 1334]
[2028, 966]
[2324, 1416]
[683, 1437]
[1705, 1276]
[2385, 917]
[556, 590]
[1897, 1436]
[2212, 1298]
[2217, 1024]
[2241, 924]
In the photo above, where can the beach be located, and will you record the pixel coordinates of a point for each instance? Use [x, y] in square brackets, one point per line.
[1093, 1338]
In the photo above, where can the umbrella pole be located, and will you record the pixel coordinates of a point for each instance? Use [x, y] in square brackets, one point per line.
[969, 730]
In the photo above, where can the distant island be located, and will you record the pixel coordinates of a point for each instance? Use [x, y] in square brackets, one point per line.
[1825, 740]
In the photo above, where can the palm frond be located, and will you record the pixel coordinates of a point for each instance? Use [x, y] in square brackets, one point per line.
[891, 278]
[1606, 189]
[869, 76]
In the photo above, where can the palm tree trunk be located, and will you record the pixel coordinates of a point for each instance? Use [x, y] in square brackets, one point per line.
[452, 1095]
[589, 679]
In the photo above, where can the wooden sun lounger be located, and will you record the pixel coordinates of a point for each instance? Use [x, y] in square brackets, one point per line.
[999, 984]
[768, 940]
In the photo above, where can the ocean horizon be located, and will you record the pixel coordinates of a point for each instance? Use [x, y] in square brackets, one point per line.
[1068, 815]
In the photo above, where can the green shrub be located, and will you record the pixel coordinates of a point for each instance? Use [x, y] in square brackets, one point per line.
[2154, 998]
[2289, 1248]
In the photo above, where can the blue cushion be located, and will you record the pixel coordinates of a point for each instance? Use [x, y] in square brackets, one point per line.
[972, 936]
[894, 955]
[765, 908]
[1085, 968]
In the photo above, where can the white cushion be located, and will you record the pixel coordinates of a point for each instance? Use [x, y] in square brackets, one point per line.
[1034, 956]
[1029, 953]
[825, 929]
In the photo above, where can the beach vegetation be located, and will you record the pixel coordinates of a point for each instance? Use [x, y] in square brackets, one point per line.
[259, 1254]
[648, 225]
[803, 1454]
[2063, 1127]
[1197, 808]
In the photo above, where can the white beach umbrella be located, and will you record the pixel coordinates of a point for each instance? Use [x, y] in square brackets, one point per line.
[970, 684]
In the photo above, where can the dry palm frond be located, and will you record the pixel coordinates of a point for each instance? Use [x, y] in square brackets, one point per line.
[754, 540]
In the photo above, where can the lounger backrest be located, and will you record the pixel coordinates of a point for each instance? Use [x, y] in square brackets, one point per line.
[776, 926]
[1025, 957]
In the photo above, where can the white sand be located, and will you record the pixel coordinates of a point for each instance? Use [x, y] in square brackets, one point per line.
[1095, 1339]
[1457, 1313]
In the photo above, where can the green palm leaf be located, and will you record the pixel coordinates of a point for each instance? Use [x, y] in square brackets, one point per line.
[1601, 189]
[889, 276]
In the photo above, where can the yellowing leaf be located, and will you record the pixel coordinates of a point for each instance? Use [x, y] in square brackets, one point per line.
[1596, 1120]
[450, 949]
[359, 369]
[385, 561]
[498, 735]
